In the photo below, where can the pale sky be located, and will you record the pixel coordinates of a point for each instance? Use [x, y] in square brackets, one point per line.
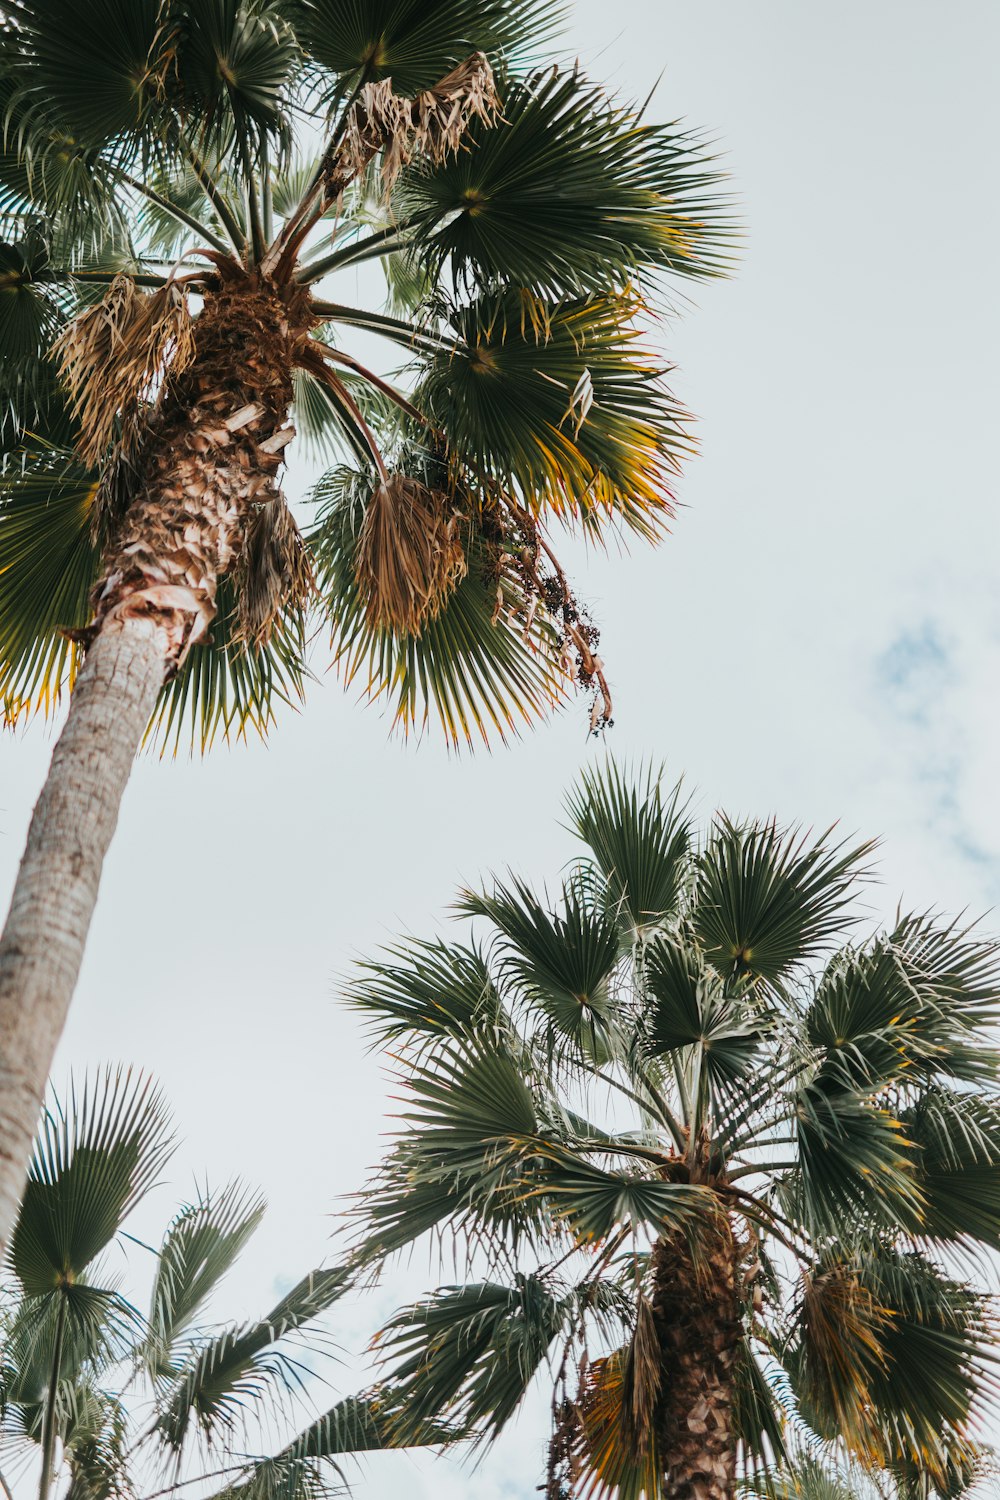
[819, 638]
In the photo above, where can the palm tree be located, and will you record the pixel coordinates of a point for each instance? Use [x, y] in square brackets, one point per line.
[106, 1398]
[713, 1153]
[181, 184]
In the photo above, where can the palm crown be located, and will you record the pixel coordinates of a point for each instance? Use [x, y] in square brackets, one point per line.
[181, 184]
[106, 1396]
[719, 1159]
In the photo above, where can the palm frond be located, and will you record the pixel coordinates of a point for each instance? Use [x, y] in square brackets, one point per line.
[767, 900]
[470, 1353]
[565, 194]
[559, 400]
[236, 1369]
[227, 71]
[417, 42]
[856, 1164]
[87, 69]
[890, 1358]
[690, 1007]
[561, 960]
[957, 1137]
[639, 836]
[227, 688]
[94, 1158]
[49, 560]
[426, 990]
[198, 1249]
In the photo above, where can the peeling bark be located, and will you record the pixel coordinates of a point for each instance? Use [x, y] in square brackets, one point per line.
[697, 1315]
[210, 459]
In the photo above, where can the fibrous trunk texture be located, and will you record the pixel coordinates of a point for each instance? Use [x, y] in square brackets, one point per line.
[697, 1317]
[210, 458]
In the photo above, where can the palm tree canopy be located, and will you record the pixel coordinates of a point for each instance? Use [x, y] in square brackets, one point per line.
[527, 224]
[107, 1394]
[691, 1043]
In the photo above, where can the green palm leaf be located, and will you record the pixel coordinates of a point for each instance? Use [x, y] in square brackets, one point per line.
[93, 1160]
[906, 1392]
[88, 67]
[241, 1365]
[226, 688]
[561, 960]
[691, 1008]
[198, 1249]
[639, 837]
[48, 565]
[427, 991]
[560, 401]
[416, 42]
[767, 900]
[471, 1352]
[958, 1139]
[566, 193]
[856, 1164]
[596, 1203]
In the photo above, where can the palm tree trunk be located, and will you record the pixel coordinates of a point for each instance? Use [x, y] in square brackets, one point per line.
[73, 823]
[212, 455]
[697, 1317]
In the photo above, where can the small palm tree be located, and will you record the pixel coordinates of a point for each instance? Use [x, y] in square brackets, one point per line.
[715, 1155]
[102, 1397]
[188, 189]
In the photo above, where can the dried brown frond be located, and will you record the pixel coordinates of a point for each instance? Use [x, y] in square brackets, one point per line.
[443, 114]
[273, 571]
[114, 356]
[410, 555]
[641, 1381]
[432, 125]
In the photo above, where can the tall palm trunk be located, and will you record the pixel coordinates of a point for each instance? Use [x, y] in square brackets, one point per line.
[212, 452]
[697, 1318]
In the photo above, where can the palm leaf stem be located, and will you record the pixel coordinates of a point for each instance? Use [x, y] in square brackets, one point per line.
[297, 225]
[5, 1487]
[357, 443]
[700, 1100]
[749, 1143]
[49, 1422]
[682, 1088]
[199, 1479]
[218, 199]
[397, 329]
[382, 242]
[105, 278]
[339, 357]
[768, 1166]
[344, 398]
[667, 1116]
[180, 214]
[257, 241]
[266, 194]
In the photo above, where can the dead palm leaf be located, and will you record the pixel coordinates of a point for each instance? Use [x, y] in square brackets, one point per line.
[410, 555]
[113, 358]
